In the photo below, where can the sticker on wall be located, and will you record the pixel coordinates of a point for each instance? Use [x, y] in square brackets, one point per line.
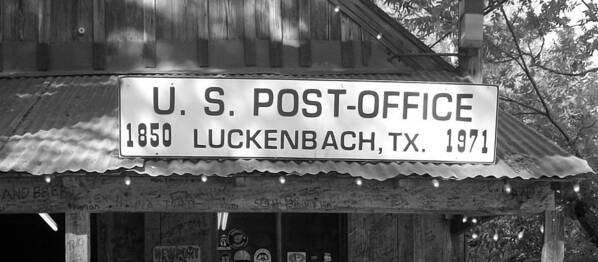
[262, 255]
[223, 243]
[176, 253]
[327, 257]
[296, 257]
[225, 258]
[242, 255]
[237, 239]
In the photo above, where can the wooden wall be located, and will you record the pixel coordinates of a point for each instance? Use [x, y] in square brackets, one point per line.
[88, 35]
[131, 237]
[393, 237]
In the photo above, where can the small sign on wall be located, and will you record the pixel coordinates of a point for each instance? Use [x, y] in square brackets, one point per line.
[177, 254]
[296, 257]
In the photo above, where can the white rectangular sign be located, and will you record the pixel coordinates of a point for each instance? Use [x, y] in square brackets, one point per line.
[307, 119]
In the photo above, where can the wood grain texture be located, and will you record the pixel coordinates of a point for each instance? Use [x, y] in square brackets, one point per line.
[275, 22]
[431, 236]
[290, 19]
[217, 13]
[124, 20]
[151, 237]
[334, 22]
[319, 18]
[304, 33]
[234, 19]
[43, 40]
[77, 237]
[372, 237]
[203, 34]
[300, 194]
[189, 229]
[99, 35]
[249, 39]
[20, 20]
[347, 39]
[262, 19]
[553, 249]
[149, 33]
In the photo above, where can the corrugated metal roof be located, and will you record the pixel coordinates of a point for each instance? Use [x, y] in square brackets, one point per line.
[70, 123]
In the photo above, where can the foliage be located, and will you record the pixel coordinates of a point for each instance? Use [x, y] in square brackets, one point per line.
[543, 54]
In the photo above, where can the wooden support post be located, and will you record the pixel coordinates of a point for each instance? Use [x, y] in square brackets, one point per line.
[279, 255]
[76, 239]
[99, 35]
[458, 247]
[470, 39]
[553, 249]
[152, 234]
[1, 35]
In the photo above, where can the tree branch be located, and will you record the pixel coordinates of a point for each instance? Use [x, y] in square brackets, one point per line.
[535, 110]
[554, 71]
[531, 78]
[441, 38]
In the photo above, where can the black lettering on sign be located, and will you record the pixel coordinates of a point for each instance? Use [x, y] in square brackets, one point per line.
[460, 107]
[316, 104]
[295, 102]
[285, 136]
[230, 138]
[435, 106]
[387, 104]
[336, 94]
[257, 103]
[170, 104]
[219, 102]
[360, 104]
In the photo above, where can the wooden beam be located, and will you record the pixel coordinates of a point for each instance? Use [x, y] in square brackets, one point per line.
[99, 35]
[76, 239]
[553, 249]
[264, 193]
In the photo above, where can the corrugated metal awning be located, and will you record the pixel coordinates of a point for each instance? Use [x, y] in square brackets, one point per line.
[70, 123]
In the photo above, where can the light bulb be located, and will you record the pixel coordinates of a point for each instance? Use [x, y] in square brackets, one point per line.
[358, 181]
[337, 9]
[282, 180]
[474, 236]
[48, 179]
[465, 219]
[127, 181]
[508, 188]
[474, 220]
[435, 183]
[204, 178]
[379, 36]
[520, 234]
[576, 187]
[495, 237]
